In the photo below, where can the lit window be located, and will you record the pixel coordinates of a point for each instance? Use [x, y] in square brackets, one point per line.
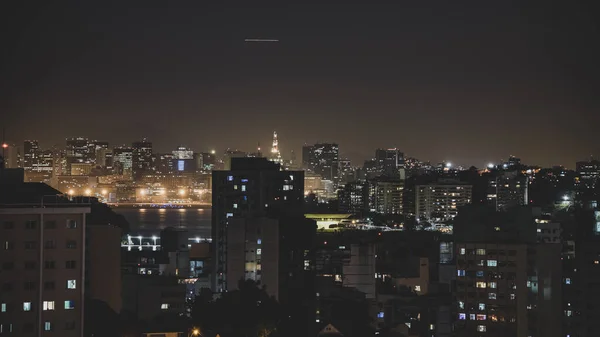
[48, 305]
[461, 272]
[71, 224]
[481, 317]
[492, 285]
[463, 251]
[3, 307]
[480, 251]
[47, 326]
[164, 306]
[417, 288]
[235, 187]
[71, 284]
[569, 313]
[258, 251]
[481, 306]
[26, 306]
[243, 188]
[567, 281]
[513, 296]
[480, 285]
[461, 304]
[380, 314]
[472, 317]
[258, 242]
[69, 305]
[229, 178]
[479, 273]
[462, 316]
[492, 263]
[431, 327]
[229, 215]
[234, 205]
[481, 328]
[492, 296]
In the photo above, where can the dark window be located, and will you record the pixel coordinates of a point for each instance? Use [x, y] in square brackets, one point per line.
[29, 244]
[9, 245]
[71, 244]
[49, 285]
[29, 265]
[29, 285]
[70, 264]
[49, 264]
[71, 224]
[50, 244]
[8, 225]
[50, 224]
[8, 265]
[70, 325]
[30, 224]
[7, 286]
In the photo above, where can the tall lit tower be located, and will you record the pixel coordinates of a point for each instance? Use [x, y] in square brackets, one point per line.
[275, 154]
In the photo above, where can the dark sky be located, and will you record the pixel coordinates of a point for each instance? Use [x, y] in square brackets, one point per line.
[470, 82]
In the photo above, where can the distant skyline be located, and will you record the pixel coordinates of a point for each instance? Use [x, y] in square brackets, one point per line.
[469, 83]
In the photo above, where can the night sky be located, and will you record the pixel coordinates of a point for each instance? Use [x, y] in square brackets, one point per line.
[470, 82]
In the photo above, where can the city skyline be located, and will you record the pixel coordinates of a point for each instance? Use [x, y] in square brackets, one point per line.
[452, 82]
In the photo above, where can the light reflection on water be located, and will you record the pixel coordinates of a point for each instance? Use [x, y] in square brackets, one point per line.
[150, 221]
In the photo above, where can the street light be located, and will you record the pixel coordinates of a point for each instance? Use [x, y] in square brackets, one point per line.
[194, 332]
[182, 192]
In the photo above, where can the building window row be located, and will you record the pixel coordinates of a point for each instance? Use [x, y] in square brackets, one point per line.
[32, 224]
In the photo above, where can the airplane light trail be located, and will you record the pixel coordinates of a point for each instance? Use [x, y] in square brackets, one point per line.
[261, 40]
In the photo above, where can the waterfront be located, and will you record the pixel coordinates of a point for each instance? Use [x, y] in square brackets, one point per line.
[150, 221]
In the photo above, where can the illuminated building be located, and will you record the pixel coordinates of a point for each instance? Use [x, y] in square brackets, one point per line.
[507, 284]
[386, 195]
[79, 150]
[122, 160]
[324, 160]
[183, 153]
[101, 152]
[81, 169]
[441, 200]
[508, 189]
[390, 162]
[353, 198]
[141, 158]
[31, 152]
[589, 172]
[275, 155]
[253, 252]
[253, 187]
[164, 163]
[42, 260]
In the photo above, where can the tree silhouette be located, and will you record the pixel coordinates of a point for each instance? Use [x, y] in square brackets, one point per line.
[247, 311]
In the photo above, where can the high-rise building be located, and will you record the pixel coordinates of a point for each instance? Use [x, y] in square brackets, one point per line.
[353, 198]
[31, 152]
[99, 150]
[441, 199]
[324, 160]
[507, 284]
[390, 162]
[123, 160]
[141, 158]
[79, 150]
[508, 189]
[275, 155]
[386, 195]
[42, 261]
[589, 172]
[253, 252]
[183, 152]
[253, 187]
